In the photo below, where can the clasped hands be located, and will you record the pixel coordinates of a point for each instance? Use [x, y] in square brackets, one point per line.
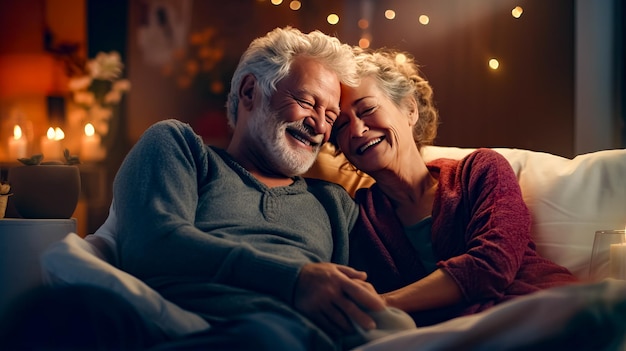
[334, 296]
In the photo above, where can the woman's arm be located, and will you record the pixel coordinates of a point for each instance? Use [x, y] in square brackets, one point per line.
[437, 289]
[496, 224]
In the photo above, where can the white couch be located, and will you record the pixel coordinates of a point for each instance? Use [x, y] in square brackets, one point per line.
[569, 199]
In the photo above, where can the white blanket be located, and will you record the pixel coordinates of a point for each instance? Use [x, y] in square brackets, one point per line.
[588, 316]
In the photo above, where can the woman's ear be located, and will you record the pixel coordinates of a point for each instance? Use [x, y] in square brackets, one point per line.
[413, 111]
[246, 91]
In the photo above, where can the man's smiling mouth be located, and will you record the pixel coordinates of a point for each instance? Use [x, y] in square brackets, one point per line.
[373, 142]
[303, 138]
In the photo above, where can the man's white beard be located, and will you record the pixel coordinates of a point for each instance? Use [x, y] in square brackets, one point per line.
[270, 135]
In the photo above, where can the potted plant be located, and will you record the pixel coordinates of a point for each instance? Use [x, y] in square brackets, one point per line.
[45, 189]
[4, 197]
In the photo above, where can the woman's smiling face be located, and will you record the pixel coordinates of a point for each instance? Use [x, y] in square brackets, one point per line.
[371, 130]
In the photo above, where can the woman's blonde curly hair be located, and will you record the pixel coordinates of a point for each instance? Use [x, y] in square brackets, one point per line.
[399, 79]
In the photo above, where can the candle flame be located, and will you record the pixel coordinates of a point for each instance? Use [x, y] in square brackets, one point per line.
[17, 132]
[55, 134]
[50, 133]
[89, 129]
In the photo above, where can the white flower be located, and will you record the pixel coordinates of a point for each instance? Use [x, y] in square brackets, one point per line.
[113, 97]
[98, 90]
[99, 117]
[80, 83]
[84, 98]
[122, 85]
[106, 66]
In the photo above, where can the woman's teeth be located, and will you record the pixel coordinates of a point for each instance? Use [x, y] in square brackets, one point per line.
[370, 144]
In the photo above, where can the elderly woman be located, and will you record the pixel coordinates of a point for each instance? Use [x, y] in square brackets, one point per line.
[437, 240]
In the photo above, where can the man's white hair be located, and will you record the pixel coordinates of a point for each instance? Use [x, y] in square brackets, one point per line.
[269, 59]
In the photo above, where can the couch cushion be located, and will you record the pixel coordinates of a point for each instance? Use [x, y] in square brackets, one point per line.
[569, 199]
[74, 260]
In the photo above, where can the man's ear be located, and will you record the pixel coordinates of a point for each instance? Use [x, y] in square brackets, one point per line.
[246, 91]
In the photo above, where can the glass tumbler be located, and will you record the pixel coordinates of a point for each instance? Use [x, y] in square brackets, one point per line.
[608, 256]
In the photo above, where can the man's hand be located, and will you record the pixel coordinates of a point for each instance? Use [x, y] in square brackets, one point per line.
[332, 295]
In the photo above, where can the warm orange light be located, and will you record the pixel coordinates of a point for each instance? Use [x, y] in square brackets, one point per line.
[55, 134]
[423, 19]
[517, 12]
[27, 74]
[17, 132]
[400, 58]
[295, 5]
[364, 43]
[89, 130]
[390, 14]
[332, 18]
[494, 64]
[363, 23]
[277, 2]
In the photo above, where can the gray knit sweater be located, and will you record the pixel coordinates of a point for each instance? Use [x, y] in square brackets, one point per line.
[189, 214]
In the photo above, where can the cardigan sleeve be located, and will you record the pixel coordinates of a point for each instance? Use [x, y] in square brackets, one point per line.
[156, 197]
[498, 225]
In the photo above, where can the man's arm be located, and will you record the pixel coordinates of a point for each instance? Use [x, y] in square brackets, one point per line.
[334, 296]
[156, 197]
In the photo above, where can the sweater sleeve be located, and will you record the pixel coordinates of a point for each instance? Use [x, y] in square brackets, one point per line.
[156, 197]
[498, 226]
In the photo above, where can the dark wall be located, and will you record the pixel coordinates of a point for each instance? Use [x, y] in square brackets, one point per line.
[527, 103]
[620, 62]
[107, 30]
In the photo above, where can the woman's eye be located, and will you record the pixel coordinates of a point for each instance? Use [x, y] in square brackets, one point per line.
[367, 111]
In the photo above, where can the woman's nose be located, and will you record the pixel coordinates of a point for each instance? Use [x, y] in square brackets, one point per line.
[358, 127]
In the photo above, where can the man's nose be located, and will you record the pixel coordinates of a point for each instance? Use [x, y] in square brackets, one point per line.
[317, 121]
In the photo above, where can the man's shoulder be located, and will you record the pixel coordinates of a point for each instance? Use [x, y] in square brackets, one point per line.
[324, 185]
[340, 206]
[329, 192]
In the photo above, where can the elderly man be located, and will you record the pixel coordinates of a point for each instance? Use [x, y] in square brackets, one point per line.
[225, 233]
[235, 235]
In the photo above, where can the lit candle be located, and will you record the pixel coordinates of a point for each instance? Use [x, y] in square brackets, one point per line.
[90, 145]
[17, 144]
[617, 258]
[51, 147]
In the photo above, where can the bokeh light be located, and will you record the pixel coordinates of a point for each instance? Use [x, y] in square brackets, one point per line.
[295, 5]
[364, 43]
[332, 18]
[400, 58]
[494, 64]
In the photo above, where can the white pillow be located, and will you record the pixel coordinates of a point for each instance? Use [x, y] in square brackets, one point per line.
[569, 199]
[74, 260]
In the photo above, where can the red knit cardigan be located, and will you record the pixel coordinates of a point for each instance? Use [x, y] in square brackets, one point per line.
[480, 236]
